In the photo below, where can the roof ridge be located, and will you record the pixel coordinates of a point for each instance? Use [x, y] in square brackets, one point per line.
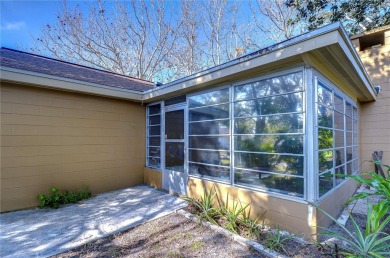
[79, 65]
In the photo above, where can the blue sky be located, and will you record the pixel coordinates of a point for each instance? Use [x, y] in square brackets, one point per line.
[21, 21]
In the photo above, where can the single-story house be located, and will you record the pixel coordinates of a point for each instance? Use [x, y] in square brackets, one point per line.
[271, 128]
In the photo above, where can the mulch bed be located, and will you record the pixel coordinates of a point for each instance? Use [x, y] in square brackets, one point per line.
[169, 236]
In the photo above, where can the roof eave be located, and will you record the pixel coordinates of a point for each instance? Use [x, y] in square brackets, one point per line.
[60, 83]
[326, 36]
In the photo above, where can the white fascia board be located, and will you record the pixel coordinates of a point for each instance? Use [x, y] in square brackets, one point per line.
[353, 56]
[328, 35]
[322, 37]
[60, 83]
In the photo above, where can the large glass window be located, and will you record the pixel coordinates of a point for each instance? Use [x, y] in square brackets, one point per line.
[153, 141]
[268, 134]
[337, 138]
[209, 135]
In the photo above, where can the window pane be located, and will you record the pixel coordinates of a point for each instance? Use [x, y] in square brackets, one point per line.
[285, 164]
[325, 116]
[355, 152]
[340, 170]
[349, 168]
[348, 123]
[209, 142]
[348, 109]
[155, 109]
[355, 165]
[355, 113]
[325, 183]
[220, 173]
[349, 138]
[277, 85]
[288, 123]
[175, 100]
[154, 141]
[154, 151]
[154, 162]
[269, 105]
[349, 154]
[325, 160]
[355, 126]
[209, 98]
[355, 139]
[324, 96]
[154, 120]
[269, 143]
[210, 113]
[174, 124]
[338, 138]
[174, 156]
[210, 157]
[340, 157]
[338, 103]
[338, 120]
[281, 183]
[209, 127]
[154, 130]
[325, 138]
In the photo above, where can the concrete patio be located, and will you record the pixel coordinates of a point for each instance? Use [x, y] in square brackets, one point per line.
[45, 232]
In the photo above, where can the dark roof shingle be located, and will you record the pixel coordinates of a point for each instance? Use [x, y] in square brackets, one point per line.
[40, 64]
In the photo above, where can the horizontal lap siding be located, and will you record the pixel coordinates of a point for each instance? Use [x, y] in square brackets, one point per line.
[69, 140]
[375, 116]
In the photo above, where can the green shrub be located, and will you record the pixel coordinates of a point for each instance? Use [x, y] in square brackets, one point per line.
[233, 215]
[373, 242]
[57, 198]
[235, 218]
[205, 205]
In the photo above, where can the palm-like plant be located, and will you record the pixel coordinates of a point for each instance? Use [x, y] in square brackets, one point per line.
[205, 204]
[373, 242]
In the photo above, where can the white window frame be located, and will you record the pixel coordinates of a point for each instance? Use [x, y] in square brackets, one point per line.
[317, 76]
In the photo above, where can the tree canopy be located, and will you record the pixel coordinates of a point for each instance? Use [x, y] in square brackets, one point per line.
[356, 15]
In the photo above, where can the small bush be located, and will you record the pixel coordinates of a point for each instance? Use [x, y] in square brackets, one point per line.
[57, 198]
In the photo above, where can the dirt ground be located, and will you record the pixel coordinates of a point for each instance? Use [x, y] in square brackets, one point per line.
[169, 236]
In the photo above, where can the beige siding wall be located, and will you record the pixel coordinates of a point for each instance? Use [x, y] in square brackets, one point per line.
[333, 203]
[69, 140]
[153, 177]
[271, 210]
[375, 116]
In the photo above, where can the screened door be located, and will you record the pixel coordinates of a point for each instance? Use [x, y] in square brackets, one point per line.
[175, 178]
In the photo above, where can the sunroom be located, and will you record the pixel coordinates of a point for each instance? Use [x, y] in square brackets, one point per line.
[273, 129]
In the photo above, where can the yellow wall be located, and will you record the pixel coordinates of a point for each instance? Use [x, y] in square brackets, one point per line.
[69, 140]
[153, 177]
[289, 215]
[375, 116]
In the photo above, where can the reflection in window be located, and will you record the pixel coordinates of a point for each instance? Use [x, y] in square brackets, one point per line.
[153, 141]
[268, 134]
[335, 122]
[209, 130]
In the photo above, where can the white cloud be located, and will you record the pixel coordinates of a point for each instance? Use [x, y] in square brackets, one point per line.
[13, 25]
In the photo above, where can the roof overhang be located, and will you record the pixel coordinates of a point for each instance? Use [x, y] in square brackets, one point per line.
[330, 45]
[59, 83]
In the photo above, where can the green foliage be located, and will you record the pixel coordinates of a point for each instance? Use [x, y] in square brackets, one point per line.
[380, 184]
[356, 15]
[57, 198]
[232, 215]
[275, 241]
[235, 218]
[205, 204]
[373, 242]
